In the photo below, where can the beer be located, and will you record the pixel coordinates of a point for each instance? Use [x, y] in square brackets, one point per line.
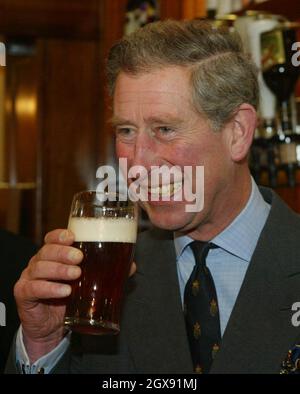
[107, 244]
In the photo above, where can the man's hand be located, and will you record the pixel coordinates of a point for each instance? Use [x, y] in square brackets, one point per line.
[41, 292]
[132, 269]
[41, 295]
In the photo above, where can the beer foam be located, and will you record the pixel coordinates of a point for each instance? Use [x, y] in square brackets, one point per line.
[103, 229]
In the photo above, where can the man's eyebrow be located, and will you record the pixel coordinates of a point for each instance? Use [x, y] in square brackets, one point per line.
[116, 121]
[164, 119]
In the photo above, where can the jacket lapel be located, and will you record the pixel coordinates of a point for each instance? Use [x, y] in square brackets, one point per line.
[158, 344]
[259, 332]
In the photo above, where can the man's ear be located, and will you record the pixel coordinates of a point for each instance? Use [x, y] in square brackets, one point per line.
[242, 130]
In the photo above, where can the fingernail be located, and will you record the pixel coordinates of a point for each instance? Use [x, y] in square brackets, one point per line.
[75, 255]
[64, 235]
[73, 272]
[64, 290]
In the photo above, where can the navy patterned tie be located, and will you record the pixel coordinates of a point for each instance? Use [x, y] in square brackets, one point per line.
[201, 311]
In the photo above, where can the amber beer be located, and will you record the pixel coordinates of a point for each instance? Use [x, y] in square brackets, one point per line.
[107, 244]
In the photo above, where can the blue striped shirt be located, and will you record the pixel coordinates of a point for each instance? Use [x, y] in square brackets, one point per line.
[229, 262]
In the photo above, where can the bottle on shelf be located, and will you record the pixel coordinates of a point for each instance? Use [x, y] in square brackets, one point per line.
[264, 158]
[211, 9]
[264, 155]
[281, 76]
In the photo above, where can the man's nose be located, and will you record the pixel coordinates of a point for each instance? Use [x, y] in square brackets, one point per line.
[145, 151]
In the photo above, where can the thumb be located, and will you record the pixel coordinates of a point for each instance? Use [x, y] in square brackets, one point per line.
[132, 269]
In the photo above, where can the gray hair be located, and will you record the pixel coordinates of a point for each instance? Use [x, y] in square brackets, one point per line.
[222, 76]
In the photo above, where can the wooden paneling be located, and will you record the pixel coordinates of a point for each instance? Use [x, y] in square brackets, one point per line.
[17, 205]
[192, 9]
[2, 124]
[291, 195]
[74, 114]
[182, 9]
[21, 125]
[50, 18]
[72, 105]
[171, 9]
[188, 7]
[112, 20]
[290, 8]
[200, 9]
[70, 118]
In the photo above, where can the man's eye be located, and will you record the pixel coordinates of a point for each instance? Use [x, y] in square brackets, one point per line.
[165, 132]
[125, 133]
[165, 129]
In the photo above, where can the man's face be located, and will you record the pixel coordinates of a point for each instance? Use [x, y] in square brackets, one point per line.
[156, 124]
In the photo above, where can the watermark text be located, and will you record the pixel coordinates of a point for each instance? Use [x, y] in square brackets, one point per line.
[296, 55]
[2, 315]
[157, 183]
[296, 315]
[2, 54]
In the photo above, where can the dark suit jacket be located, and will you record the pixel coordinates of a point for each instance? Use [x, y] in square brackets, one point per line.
[153, 338]
[15, 253]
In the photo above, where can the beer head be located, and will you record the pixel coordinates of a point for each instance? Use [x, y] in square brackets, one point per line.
[103, 229]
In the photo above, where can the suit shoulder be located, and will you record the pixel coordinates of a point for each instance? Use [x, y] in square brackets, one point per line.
[154, 235]
[154, 246]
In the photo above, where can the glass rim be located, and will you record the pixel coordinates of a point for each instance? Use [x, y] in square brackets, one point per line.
[92, 192]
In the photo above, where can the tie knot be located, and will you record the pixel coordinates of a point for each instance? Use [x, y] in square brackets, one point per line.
[200, 250]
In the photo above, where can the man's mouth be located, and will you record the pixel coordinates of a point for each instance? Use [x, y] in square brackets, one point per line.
[163, 191]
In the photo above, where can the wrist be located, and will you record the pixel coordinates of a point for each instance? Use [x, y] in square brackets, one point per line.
[37, 348]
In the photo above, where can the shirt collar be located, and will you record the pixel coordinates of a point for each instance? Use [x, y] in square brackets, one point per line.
[241, 236]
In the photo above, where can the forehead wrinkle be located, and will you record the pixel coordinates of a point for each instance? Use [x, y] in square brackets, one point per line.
[157, 112]
[163, 118]
[137, 102]
[160, 97]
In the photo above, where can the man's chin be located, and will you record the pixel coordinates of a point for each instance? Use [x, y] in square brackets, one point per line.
[168, 221]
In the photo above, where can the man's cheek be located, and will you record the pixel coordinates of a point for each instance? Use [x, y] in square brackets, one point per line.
[186, 157]
[123, 151]
[119, 150]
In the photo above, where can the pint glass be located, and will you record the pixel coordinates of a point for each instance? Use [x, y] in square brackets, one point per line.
[105, 230]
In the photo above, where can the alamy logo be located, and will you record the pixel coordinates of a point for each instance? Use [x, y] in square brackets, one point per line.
[296, 56]
[2, 315]
[2, 55]
[157, 183]
[296, 315]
